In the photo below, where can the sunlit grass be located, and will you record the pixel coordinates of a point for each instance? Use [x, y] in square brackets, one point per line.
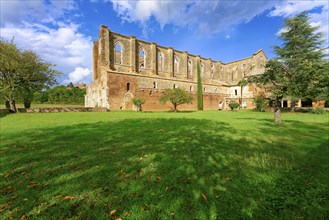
[45, 105]
[160, 165]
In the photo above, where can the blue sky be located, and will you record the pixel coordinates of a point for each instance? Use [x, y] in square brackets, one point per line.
[62, 32]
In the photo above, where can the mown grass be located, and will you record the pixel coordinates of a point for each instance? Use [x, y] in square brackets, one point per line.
[45, 105]
[161, 165]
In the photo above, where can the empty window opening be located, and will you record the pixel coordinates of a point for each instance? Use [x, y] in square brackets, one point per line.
[204, 89]
[128, 86]
[142, 58]
[176, 64]
[191, 88]
[236, 92]
[174, 86]
[306, 102]
[154, 85]
[160, 61]
[202, 68]
[189, 67]
[285, 104]
[118, 54]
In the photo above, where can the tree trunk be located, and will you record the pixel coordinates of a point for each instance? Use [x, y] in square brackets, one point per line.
[175, 107]
[27, 104]
[12, 105]
[7, 104]
[277, 111]
[293, 106]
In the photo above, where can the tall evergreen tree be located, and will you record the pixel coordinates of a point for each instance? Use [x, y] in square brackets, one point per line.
[299, 63]
[200, 98]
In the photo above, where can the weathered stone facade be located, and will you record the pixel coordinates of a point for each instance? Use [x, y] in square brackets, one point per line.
[125, 67]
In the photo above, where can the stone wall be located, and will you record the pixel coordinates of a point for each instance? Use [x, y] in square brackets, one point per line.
[125, 67]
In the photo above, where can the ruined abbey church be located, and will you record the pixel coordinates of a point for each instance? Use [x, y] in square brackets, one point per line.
[125, 67]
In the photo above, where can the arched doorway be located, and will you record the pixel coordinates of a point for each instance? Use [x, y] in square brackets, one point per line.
[126, 102]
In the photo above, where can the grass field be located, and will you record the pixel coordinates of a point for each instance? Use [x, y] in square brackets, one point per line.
[161, 165]
[44, 105]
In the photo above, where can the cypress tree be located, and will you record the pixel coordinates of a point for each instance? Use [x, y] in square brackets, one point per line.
[200, 98]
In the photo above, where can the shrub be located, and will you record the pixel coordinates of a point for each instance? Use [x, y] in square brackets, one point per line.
[138, 102]
[304, 110]
[318, 111]
[234, 105]
[261, 103]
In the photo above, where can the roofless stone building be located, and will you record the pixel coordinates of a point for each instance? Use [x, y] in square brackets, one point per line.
[125, 67]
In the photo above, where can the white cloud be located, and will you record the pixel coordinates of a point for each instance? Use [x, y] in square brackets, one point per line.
[64, 46]
[227, 36]
[208, 17]
[16, 11]
[40, 26]
[292, 8]
[204, 16]
[78, 75]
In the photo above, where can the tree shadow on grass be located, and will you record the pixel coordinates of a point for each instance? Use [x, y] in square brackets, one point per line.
[143, 168]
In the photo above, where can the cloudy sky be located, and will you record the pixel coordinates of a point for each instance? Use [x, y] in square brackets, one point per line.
[62, 32]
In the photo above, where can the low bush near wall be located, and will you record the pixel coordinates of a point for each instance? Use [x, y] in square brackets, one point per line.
[318, 111]
[233, 105]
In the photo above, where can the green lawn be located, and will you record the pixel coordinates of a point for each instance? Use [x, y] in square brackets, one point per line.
[44, 105]
[161, 165]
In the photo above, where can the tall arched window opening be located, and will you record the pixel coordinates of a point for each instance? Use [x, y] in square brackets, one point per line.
[160, 61]
[118, 54]
[189, 68]
[202, 69]
[176, 65]
[142, 58]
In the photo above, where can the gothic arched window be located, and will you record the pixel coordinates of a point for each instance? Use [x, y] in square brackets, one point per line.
[176, 64]
[142, 58]
[118, 53]
[160, 61]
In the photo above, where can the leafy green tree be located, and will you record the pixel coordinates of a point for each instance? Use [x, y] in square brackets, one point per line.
[66, 95]
[199, 83]
[22, 73]
[176, 96]
[299, 63]
[261, 102]
[138, 102]
[9, 66]
[40, 97]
